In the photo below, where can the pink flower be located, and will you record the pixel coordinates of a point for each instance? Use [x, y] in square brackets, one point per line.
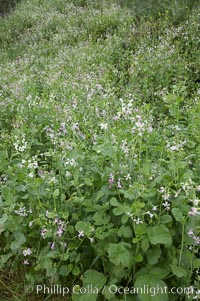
[43, 232]
[197, 240]
[52, 245]
[111, 180]
[193, 211]
[191, 232]
[60, 231]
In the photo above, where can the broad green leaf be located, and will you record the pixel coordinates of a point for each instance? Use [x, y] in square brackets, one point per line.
[4, 259]
[56, 193]
[3, 219]
[137, 206]
[138, 258]
[64, 271]
[45, 263]
[159, 235]
[94, 278]
[196, 263]
[118, 272]
[93, 282]
[88, 181]
[20, 239]
[152, 293]
[114, 202]
[119, 254]
[178, 271]
[145, 244]
[177, 214]
[140, 229]
[101, 218]
[84, 226]
[158, 272]
[87, 296]
[118, 211]
[153, 255]
[166, 219]
[125, 231]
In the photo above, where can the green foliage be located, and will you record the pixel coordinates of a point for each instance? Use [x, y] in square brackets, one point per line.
[99, 148]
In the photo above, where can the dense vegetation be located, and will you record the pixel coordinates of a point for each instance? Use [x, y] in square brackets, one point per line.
[100, 149]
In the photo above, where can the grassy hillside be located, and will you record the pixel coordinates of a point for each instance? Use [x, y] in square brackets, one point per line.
[100, 150]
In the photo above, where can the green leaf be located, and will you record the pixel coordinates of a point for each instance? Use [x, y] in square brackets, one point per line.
[101, 218]
[88, 181]
[138, 258]
[145, 244]
[159, 235]
[4, 259]
[125, 231]
[177, 214]
[118, 211]
[56, 193]
[3, 219]
[94, 278]
[45, 262]
[140, 229]
[158, 272]
[64, 271]
[114, 202]
[118, 254]
[166, 219]
[178, 271]
[20, 239]
[196, 263]
[153, 255]
[152, 294]
[84, 296]
[85, 227]
[137, 206]
[106, 292]
[93, 282]
[124, 219]
[2, 228]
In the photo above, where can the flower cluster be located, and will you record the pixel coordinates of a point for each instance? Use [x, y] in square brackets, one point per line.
[22, 211]
[20, 143]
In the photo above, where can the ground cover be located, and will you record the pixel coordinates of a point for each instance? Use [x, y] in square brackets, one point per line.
[100, 150]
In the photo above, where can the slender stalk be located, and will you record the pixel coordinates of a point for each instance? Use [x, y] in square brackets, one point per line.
[4, 285]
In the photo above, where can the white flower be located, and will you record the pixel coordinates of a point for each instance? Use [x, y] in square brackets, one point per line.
[195, 202]
[71, 162]
[166, 205]
[81, 234]
[22, 211]
[103, 126]
[162, 190]
[27, 252]
[128, 177]
[68, 174]
[150, 214]
[26, 262]
[138, 221]
[198, 188]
